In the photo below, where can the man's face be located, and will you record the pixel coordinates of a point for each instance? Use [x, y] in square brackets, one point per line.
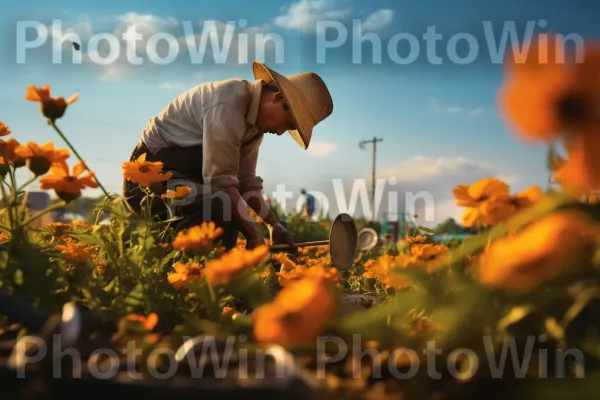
[274, 115]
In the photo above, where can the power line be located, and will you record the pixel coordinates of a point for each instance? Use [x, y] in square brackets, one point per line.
[362, 144]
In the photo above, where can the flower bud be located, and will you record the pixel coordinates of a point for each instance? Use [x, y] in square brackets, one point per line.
[68, 197]
[38, 165]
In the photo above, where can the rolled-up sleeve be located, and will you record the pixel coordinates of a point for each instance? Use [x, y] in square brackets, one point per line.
[223, 130]
[247, 171]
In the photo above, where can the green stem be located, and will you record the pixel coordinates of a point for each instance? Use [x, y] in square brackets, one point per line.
[26, 184]
[9, 208]
[76, 154]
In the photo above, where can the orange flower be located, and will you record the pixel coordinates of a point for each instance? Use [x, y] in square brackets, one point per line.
[184, 273]
[299, 313]
[480, 191]
[547, 97]
[73, 252]
[40, 158]
[521, 262]
[228, 311]
[4, 236]
[197, 237]
[52, 108]
[148, 322]
[428, 251]
[144, 172]
[4, 129]
[580, 174]
[8, 148]
[68, 187]
[319, 271]
[383, 268]
[234, 263]
[179, 193]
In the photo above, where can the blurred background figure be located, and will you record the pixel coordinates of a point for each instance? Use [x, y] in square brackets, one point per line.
[308, 205]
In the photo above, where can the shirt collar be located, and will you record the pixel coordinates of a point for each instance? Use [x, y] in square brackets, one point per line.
[252, 114]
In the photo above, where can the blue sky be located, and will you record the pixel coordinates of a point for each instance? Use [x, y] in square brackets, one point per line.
[439, 122]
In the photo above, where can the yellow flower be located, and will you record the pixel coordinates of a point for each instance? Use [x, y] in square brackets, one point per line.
[184, 273]
[197, 237]
[52, 108]
[521, 262]
[233, 264]
[179, 193]
[299, 313]
[480, 191]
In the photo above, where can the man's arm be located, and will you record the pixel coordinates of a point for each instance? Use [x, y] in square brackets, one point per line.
[251, 188]
[224, 126]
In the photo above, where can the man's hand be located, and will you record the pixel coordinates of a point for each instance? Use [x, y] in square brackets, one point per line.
[254, 241]
[281, 235]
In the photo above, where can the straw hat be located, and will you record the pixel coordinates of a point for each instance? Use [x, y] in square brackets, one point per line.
[307, 96]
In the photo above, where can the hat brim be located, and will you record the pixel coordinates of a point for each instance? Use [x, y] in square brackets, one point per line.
[295, 100]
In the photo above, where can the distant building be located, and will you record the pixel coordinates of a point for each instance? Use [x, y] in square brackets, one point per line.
[36, 202]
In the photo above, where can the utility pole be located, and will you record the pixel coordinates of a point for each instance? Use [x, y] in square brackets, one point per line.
[362, 144]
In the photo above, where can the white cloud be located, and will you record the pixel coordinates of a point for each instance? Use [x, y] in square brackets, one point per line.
[319, 149]
[378, 20]
[421, 168]
[305, 14]
[435, 106]
[80, 31]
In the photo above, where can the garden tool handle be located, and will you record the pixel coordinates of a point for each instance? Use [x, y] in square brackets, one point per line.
[303, 244]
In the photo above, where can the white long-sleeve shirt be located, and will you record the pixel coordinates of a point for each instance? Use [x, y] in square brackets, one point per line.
[220, 116]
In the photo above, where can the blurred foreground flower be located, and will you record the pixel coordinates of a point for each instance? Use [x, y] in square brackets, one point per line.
[299, 313]
[521, 262]
[548, 98]
[144, 172]
[289, 275]
[68, 187]
[234, 263]
[149, 322]
[52, 108]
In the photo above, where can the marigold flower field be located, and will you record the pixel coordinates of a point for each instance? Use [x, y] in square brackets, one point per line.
[532, 269]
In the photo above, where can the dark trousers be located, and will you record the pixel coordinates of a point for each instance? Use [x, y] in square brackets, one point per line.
[202, 204]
